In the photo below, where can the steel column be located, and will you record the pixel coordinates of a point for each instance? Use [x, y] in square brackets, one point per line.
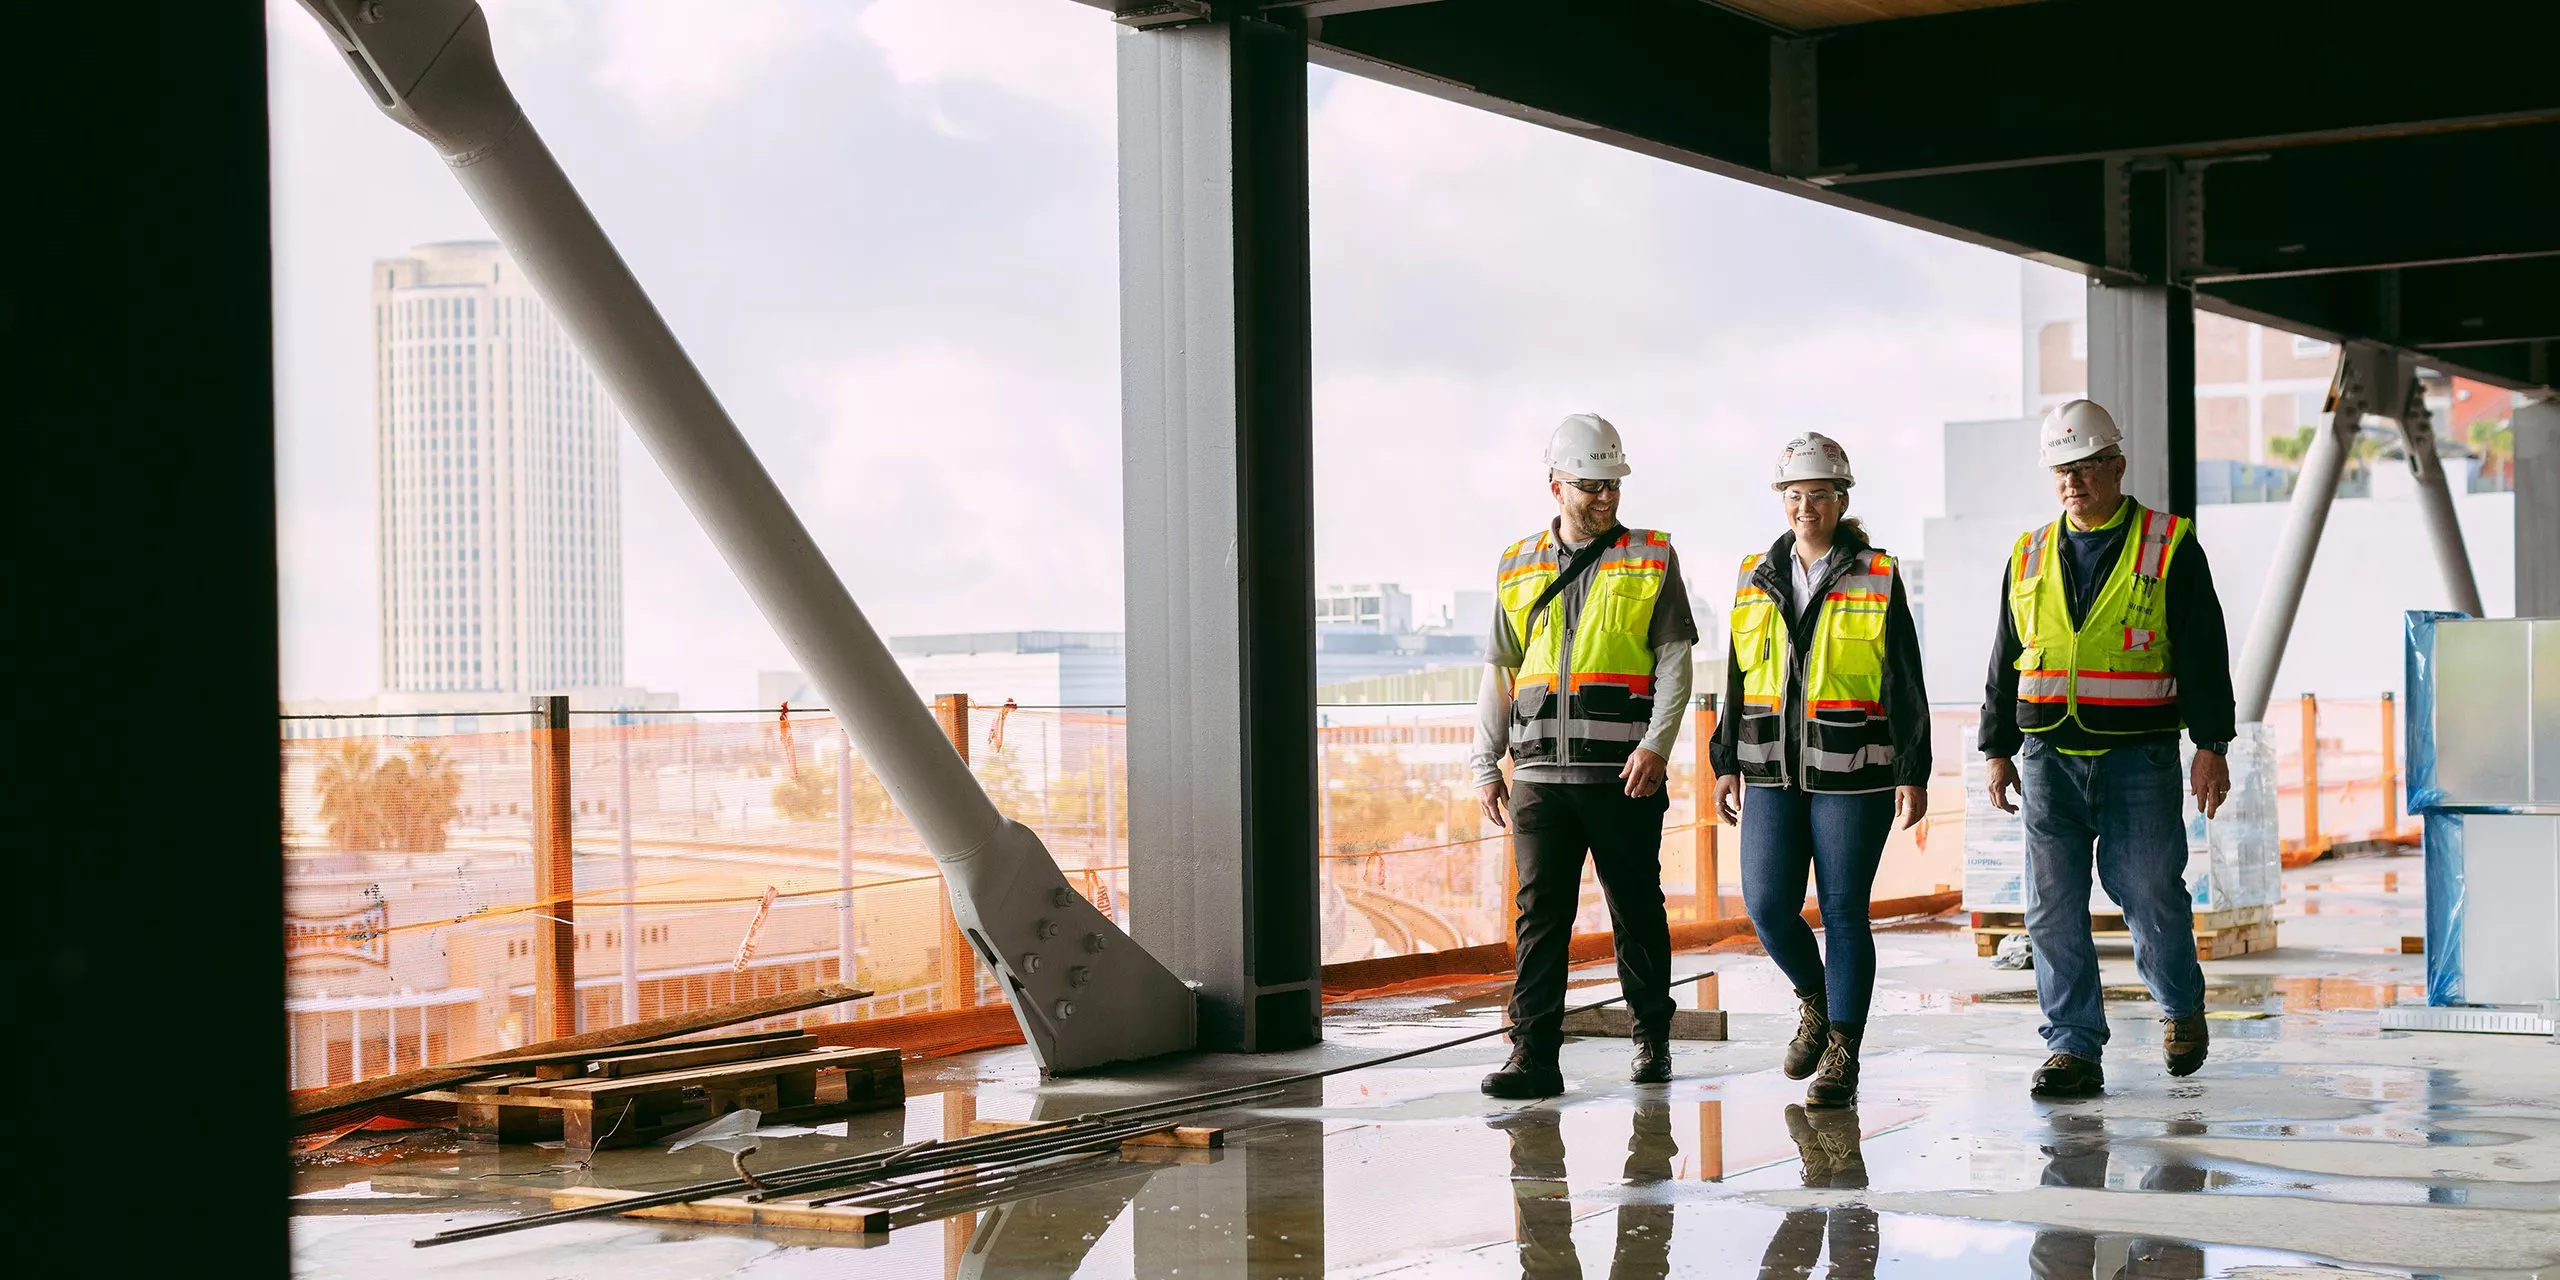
[1217, 440]
[2364, 370]
[2536, 448]
[2142, 369]
[2435, 504]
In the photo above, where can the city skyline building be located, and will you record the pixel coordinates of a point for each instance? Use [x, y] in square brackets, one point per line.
[499, 519]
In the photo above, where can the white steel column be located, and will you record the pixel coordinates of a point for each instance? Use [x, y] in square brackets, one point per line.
[1217, 441]
[2360, 367]
[2435, 503]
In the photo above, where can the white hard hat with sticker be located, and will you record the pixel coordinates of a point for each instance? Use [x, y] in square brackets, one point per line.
[1813, 456]
[1586, 447]
[2076, 430]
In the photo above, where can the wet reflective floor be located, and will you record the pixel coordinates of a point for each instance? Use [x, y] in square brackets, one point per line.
[2313, 1144]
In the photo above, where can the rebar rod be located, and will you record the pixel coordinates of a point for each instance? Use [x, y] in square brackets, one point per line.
[942, 1154]
[882, 1181]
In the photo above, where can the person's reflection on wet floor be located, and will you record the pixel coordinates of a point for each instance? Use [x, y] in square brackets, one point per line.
[2077, 1156]
[1543, 1210]
[1827, 1141]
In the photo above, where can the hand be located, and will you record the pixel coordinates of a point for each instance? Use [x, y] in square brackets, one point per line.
[1729, 798]
[1495, 796]
[1643, 772]
[2210, 780]
[2004, 779]
[1910, 805]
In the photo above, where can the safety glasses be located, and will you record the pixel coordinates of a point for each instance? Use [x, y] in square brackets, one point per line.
[1591, 486]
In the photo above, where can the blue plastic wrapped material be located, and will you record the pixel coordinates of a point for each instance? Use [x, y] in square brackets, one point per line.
[2445, 887]
[2418, 703]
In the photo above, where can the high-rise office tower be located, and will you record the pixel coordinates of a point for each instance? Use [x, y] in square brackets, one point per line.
[500, 527]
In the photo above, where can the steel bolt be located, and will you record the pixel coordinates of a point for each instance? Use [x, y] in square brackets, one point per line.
[1093, 943]
[1079, 976]
[1045, 930]
[1064, 1008]
[1031, 962]
[1062, 897]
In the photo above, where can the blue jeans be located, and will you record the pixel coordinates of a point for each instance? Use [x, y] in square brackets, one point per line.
[2128, 804]
[1840, 840]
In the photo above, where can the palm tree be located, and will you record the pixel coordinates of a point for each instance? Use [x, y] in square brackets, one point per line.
[348, 796]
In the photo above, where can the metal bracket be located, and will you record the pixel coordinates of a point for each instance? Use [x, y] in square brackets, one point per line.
[2115, 213]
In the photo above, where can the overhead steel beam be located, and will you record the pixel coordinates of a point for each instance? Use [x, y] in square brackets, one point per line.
[2453, 307]
[2039, 84]
[2474, 196]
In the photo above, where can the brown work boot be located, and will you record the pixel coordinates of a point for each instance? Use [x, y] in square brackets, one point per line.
[1835, 1083]
[1813, 1032]
[2184, 1040]
[2068, 1076]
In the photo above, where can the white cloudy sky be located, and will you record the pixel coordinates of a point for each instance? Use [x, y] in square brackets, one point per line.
[887, 233]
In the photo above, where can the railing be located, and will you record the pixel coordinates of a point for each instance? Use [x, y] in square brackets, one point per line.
[444, 902]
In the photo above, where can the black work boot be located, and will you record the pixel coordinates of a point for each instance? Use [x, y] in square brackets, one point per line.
[1813, 1031]
[1835, 1080]
[2184, 1040]
[1531, 1073]
[1652, 1063]
[2069, 1076]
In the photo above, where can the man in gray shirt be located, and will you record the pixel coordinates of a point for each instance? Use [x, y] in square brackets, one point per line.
[1589, 679]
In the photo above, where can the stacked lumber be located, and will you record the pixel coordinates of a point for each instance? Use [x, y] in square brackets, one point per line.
[632, 1098]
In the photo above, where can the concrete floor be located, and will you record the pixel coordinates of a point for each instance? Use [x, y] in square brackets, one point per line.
[2313, 1144]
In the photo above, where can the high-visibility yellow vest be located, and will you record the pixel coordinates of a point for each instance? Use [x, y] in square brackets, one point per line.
[2114, 673]
[1847, 743]
[1608, 678]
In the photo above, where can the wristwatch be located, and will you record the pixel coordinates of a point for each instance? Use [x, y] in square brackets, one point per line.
[2222, 748]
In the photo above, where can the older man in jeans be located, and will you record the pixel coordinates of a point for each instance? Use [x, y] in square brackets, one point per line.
[2111, 640]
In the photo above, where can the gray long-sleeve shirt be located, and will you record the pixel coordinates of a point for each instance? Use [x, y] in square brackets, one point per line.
[1674, 632]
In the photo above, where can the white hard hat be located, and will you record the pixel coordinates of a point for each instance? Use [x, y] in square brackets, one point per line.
[2079, 429]
[1586, 447]
[1813, 456]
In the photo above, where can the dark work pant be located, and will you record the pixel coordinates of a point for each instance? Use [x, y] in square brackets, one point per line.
[1556, 824]
[1840, 840]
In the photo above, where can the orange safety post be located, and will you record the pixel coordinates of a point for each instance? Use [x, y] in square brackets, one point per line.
[2390, 769]
[555, 949]
[1710, 886]
[1711, 1141]
[960, 1230]
[951, 711]
[2311, 841]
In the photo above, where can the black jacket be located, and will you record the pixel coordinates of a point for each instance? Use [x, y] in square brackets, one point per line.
[2199, 649]
[1906, 699]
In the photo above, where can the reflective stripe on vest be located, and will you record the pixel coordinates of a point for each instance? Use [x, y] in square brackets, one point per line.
[1845, 742]
[1608, 699]
[2114, 673]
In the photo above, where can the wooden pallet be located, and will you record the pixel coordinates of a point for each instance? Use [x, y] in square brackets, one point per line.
[633, 1100]
[2220, 935]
